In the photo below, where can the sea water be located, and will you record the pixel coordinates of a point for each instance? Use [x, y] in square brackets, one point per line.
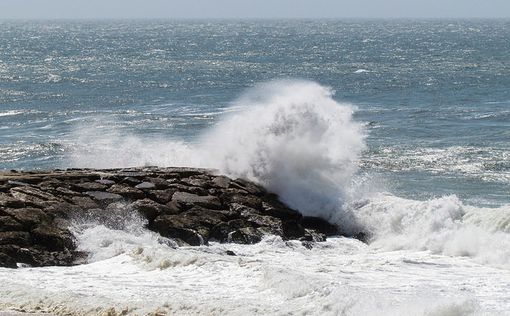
[393, 127]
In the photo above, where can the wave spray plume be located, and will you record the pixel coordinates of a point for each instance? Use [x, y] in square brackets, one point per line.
[290, 136]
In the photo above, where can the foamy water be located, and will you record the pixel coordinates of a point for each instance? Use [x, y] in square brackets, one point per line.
[341, 276]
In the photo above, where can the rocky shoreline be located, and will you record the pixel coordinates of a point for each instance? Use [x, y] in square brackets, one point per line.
[189, 205]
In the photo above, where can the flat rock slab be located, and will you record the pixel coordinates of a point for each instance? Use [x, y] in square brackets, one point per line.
[104, 196]
[186, 198]
[145, 185]
[190, 205]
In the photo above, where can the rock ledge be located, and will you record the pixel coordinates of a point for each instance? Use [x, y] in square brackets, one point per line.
[192, 206]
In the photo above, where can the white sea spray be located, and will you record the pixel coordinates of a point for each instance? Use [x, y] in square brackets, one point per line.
[290, 136]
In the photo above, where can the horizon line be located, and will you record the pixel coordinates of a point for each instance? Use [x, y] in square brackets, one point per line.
[246, 18]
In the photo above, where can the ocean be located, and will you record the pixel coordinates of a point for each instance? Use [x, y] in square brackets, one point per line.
[400, 128]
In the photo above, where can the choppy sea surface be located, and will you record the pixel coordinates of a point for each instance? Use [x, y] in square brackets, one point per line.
[397, 127]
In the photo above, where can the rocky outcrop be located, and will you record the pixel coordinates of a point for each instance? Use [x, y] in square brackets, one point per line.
[191, 206]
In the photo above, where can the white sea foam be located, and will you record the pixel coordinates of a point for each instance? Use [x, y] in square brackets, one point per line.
[290, 136]
[293, 138]
[442, 226]
[53, 78]
[11, 112]
[339, 277]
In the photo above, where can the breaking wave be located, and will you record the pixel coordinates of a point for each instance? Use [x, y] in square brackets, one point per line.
[290, 136]
[442, 226]
[296, 140]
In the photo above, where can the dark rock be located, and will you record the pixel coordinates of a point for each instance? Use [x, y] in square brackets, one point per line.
[126, 191]
[104, 197]
[107, 182]
[65, 191]
[247, 200]
[313, 236]
[221, 231]
[270, 225]
[52, 238]
[242, 210]
[7, 223]
[7, 262]
[250, 187]
[189, 189]
[174, 208]
[320, 225]
[89, 186]
[159, 183]
[189, 236]
[214, 192]
[49, 184]
[145, 186]
[186, 172]
[173, 180]
[230, 253]
[292, 229]
[208, 201]
[201, 183]
[150, 209]
[189, 205]
[247, 235]
[280, 211]
[228, 214]
[19, 254]
[161, 196]
[15, 238]
[32, 196]
[221, 182]
[7, 200]
[203, 216]
[27, 217]
[174, 226]
[307, 244]
[197, 219]
[83, 202]
[363, 237]
[40, 258]
[131, 181]
[61, 209]
[132, 174]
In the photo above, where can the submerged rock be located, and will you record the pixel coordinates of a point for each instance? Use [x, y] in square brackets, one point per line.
[192, 206]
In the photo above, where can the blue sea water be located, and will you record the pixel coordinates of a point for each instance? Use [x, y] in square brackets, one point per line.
[434, 95]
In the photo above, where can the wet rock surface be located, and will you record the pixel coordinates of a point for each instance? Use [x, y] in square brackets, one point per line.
[191, 206]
